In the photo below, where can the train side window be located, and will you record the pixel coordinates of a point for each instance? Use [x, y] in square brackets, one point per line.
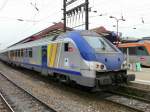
[26, 54]
[141, 50]
[21, 54]
[30, 52]
[66, 47]
[24, 51]
[16, 53]
[132, 50]
[12, 53]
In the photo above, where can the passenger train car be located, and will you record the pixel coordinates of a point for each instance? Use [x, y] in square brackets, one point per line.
[138, 52]
[83, 57]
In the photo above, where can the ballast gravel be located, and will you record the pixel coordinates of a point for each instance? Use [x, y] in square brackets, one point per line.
[60, 97]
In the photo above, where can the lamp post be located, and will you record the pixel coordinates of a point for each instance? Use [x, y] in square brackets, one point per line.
[117, 23]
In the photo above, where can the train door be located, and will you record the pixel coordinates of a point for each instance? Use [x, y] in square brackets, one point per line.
[44, 60]
[44, 56]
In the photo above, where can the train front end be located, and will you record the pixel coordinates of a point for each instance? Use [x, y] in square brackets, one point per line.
[109, 64]
[105, 62]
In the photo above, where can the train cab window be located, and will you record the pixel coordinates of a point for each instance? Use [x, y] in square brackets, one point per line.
[30, 52]
[141, 50]
[66, 47]
[99, 44]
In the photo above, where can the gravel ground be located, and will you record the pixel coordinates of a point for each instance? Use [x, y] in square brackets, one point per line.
[60, 97]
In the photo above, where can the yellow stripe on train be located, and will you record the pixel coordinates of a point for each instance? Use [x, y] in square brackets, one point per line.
[52, 50]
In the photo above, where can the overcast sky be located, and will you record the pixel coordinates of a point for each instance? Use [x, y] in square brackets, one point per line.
[135, 12]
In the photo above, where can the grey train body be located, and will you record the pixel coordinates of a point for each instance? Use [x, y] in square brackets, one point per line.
[83, 57]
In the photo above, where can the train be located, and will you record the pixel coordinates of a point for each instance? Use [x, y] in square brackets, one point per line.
[81, 57]
[137, 52]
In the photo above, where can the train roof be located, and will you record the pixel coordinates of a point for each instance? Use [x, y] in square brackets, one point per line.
[134, 44]
[49, 39]
[31, 44]
[145, 43]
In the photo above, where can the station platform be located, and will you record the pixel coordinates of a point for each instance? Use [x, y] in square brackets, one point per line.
[142, 78]
[143, 75]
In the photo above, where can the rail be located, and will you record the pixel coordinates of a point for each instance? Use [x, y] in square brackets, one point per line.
[23, 95]
[130, 101]
[6, 103]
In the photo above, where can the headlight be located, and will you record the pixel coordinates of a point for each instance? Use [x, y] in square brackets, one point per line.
[97, 66]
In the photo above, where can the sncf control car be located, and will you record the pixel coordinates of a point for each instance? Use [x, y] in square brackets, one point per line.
[83, 57]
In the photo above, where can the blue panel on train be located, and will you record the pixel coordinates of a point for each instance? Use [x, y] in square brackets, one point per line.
[112, 61]
[44, 56]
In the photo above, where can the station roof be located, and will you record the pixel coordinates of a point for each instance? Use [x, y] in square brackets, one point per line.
[101, 30]
[56, 29]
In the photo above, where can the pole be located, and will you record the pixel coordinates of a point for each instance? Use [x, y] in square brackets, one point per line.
[86, 15]
[117, 23]
[117, 33]
[64, 14]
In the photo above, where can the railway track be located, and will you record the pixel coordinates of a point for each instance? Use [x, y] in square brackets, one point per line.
[126, 101]
[4, 105]
[18, 99]
[136, 92]
[135, 103]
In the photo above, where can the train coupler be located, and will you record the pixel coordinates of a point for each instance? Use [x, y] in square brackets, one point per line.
[130, 77]
[104, 80]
